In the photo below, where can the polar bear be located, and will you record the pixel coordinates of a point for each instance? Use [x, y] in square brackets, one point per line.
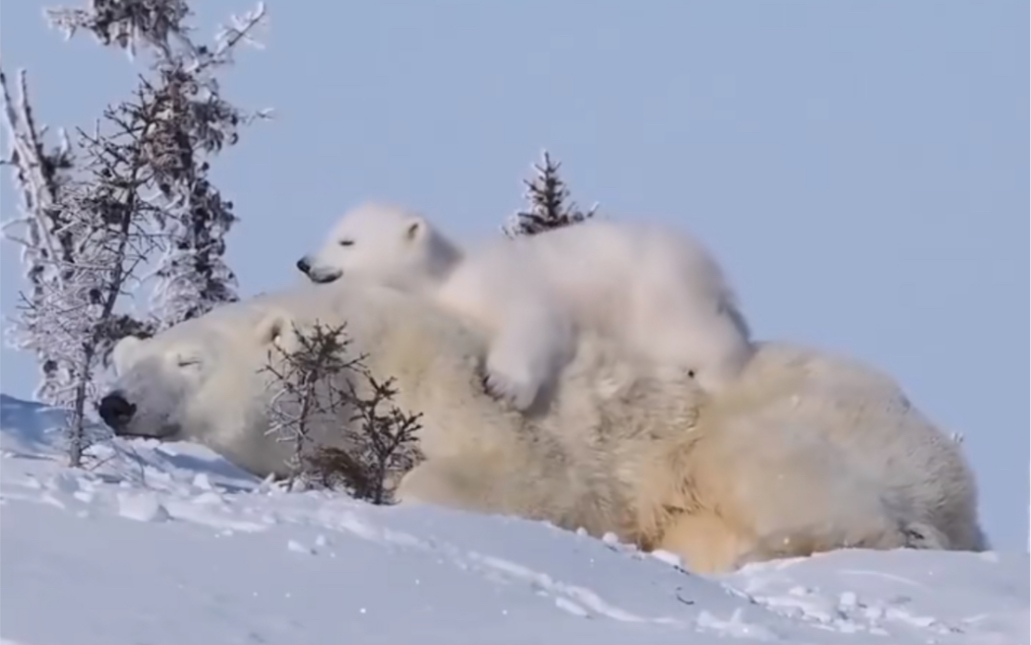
[650, 287]
[804, 452]
[820, 431]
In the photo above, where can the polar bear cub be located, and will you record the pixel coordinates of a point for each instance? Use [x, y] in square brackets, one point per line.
[651, 288]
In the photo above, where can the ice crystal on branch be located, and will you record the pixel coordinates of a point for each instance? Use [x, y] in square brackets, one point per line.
[126, 23]
[79, 245]
[191, 122]
[94, 215]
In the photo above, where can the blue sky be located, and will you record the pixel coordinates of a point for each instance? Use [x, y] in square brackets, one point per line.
[860, 167]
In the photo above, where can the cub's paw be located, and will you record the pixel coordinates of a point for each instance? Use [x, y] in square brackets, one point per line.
[519, 392]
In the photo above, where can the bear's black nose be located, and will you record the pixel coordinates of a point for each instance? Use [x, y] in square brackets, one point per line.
[304, 266]
[116, 411]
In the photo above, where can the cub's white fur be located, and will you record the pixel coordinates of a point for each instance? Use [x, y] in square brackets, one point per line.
[649, 288]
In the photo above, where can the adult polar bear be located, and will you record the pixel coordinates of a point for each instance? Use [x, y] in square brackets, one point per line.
[651, 288]
[806, 452]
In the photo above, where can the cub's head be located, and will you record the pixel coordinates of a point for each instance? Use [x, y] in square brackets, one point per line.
[384, 244]
[199, 380]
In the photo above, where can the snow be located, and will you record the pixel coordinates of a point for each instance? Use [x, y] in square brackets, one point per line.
[169, 544]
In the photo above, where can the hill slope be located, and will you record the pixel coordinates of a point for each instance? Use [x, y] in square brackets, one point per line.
[169, 544]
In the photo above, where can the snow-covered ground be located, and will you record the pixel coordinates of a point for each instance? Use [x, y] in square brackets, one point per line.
[168, 544]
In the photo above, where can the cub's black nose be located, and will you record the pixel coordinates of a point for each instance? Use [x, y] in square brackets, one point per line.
[115, 410]
[304, 266]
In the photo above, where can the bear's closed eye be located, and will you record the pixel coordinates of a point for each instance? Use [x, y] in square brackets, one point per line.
[346, 242]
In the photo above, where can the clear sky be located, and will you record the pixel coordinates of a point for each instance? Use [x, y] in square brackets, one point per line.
[860, 167]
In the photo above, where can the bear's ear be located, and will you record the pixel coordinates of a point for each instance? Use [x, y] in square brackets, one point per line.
[272, 327]
[123, 350]
[415, 228]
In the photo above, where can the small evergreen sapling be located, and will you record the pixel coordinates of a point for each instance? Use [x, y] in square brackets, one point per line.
[385, 439]
[313, 388]
[548, 198]
[307, 393]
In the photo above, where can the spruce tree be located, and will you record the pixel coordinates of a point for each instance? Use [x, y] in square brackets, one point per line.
[549, 203]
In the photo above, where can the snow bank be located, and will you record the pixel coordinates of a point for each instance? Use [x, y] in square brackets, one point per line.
[167, 543]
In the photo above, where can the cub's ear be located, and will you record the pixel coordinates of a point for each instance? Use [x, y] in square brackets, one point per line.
[122, 352]
[415, 228]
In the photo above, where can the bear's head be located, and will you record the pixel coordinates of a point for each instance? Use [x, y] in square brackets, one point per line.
[187, 380]
[384, 244]
[203, 380]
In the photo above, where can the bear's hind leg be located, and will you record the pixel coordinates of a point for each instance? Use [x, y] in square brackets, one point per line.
[451, 483]
[706, 542]
[485, 483]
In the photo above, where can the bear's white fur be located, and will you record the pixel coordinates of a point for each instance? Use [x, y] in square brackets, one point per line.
[788, 459]
[651, 288]
[805, 452]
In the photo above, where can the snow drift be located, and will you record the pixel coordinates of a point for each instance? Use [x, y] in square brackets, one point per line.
[168, 543]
